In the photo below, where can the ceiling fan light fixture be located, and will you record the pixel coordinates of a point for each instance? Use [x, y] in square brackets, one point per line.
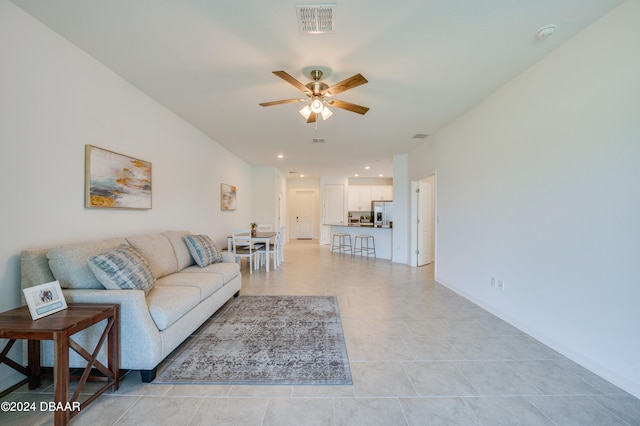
[320, 95]
[326, 113]
[316, 106]
[305, 112]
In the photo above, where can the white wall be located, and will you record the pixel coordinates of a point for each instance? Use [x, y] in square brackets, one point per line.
[269, 204]
[401, 209]
[264, 206]
[538, 186]
[54, 100]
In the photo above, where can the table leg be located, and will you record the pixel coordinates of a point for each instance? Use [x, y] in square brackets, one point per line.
[114, 353]
[33, 348]
[61, 376]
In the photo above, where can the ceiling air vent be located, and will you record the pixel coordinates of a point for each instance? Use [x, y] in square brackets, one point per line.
[317, 140]
[420, 136]
[316, 18]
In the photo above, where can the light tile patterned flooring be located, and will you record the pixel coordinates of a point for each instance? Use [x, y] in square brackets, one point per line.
[419, 355]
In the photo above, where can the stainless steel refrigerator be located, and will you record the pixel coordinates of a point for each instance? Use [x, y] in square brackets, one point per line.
[382, 213]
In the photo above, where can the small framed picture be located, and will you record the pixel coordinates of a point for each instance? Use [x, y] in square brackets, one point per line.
[45, 299]
[227, 197]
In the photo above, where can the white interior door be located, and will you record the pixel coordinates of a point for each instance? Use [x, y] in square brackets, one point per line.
[305, 208]
[424, 226]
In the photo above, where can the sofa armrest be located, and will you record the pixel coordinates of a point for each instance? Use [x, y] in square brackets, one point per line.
[134, 311]
[140, 340]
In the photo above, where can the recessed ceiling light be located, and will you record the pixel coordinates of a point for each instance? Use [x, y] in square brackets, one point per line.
[301, 176]
[280, 156]
[356, 175]
[380, 175]
[367, 167]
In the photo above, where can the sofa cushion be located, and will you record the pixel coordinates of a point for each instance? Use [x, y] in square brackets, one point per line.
[184, 258]
[122, 268]
[202, 249]
[69, 265]
[228, 270]
[168, 303]
[158, 252]
[207, 283]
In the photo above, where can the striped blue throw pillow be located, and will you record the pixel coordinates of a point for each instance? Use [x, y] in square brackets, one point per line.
[122, 269]
[202, 249]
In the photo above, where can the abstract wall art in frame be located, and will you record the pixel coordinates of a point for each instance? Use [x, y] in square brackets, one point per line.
[228, 197]
[116, 181]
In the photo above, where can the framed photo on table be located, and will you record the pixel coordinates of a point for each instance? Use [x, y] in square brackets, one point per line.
[45, 299]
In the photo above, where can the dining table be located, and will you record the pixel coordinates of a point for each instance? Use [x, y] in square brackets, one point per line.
[259, 237]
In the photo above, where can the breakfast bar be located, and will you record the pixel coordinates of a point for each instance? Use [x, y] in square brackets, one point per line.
[383, 237]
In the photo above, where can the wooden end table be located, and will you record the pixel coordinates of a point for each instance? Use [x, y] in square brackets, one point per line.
[59, 327]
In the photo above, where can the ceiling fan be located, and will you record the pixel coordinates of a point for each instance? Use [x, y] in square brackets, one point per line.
[320, 95]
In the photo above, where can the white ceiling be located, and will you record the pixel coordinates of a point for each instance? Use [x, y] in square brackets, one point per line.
[210, 62]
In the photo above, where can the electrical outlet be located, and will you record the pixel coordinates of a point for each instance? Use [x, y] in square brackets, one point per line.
[500, 285]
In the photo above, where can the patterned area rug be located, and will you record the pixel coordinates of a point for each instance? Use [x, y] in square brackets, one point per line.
[267, 340]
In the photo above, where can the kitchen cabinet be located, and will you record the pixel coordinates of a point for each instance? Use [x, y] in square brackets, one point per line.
[381, 193]
[360, 196]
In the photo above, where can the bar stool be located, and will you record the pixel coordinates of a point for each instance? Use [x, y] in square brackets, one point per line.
[343, 243]
[367, 245]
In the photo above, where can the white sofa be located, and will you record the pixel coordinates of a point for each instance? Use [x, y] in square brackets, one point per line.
[152, 325]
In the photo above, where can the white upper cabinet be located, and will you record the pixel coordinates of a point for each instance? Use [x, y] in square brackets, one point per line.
[360, 196]
[381, 193]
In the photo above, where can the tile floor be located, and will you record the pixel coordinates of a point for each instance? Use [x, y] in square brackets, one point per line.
[419, 355]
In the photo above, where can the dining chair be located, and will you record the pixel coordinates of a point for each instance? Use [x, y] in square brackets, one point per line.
[265, 227]
[283, 233]
[243, 246]
[275, 249]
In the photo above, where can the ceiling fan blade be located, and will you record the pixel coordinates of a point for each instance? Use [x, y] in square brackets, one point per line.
[312, 117]
[347, 84]
[284, 101]
[292, 81]
[348, 106]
